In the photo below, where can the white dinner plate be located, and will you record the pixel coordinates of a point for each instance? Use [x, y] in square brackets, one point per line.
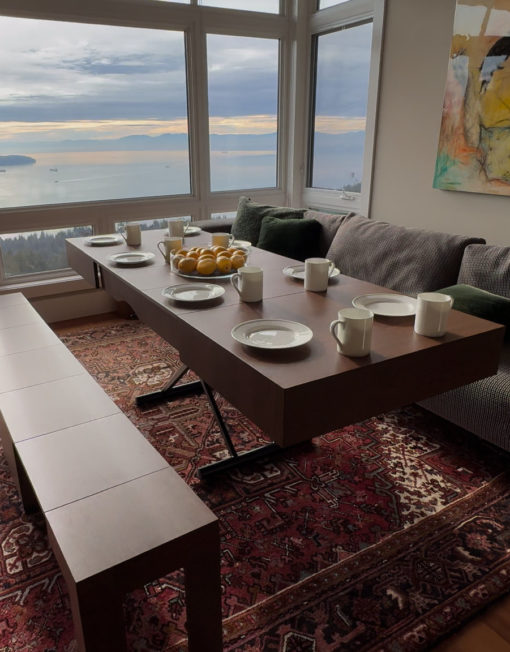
[104, 240]
[193, 292]
[192, 230]
[242, 244]
[386, 305]
[132, 258]
[272, 333]
[298, 271]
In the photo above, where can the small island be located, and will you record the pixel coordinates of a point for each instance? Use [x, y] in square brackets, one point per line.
[16, 159]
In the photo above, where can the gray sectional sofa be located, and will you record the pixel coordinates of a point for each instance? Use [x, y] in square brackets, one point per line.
[414, 260]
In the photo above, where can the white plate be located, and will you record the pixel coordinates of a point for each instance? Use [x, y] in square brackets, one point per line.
[195, 292]
[242, 244]
[386, 305]
[132, 258]
[104, 240]
[192, 230]
[272, 333]
[298, 271]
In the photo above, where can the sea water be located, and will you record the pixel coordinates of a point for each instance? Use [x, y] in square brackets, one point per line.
[66, 177]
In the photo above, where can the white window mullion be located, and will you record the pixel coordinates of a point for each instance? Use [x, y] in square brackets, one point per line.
[198, 116]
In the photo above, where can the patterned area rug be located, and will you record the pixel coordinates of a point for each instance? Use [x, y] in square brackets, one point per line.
[385, 535]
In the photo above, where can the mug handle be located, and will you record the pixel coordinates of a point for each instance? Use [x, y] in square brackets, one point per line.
[234, 279]
[162, 252]
[123, 234]
[333, 326]
[331, 267]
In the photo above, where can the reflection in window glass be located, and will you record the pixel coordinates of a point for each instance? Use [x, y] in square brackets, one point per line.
[98, 112]
[323, 4]
[223, 216]
[243, 104]
[343, 66]
[37, 251]
[266, 6]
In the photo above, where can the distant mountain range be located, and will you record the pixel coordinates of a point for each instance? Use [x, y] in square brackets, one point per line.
[15, 159]
[172, 142]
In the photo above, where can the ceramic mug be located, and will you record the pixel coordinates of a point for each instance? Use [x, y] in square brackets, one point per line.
[248, 283]
[169, 243]
[432, 312]
[176, 228]
[133, 234]
[353, 331]
[317, 272]
[221, 239]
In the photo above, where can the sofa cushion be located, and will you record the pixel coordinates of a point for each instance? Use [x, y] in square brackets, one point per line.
[486, 267]
[250, 214]
[330, 223]
[404, 259]
[481, 303]
[297, 239]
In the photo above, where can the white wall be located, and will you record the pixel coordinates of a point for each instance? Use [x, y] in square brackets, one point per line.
[415, 58]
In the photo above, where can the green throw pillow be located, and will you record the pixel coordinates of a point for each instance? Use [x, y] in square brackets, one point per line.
[297, 239]
[481, 303]
[250, 214]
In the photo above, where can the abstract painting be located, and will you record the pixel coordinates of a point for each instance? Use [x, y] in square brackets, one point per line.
[474, 142]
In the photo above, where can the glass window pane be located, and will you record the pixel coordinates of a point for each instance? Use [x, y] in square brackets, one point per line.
[343, 66]
[100, 110]
[37, 251]
[323, 4]
[149, 225]
[266, 6]
[243, 105]
[226, 215]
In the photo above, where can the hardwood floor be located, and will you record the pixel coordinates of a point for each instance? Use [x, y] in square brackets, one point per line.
[489, 632]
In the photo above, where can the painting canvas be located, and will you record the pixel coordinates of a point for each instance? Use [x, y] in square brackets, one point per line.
[474, 142]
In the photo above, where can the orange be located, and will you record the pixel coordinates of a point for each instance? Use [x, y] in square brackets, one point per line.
[192, 254]
[176, 260]
[237, 261]
[187, 265]
[239, 252]
[226, 254]
[182, 252]
[206, 266]
[224, 265]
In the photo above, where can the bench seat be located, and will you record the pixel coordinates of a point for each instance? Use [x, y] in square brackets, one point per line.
[118, 516]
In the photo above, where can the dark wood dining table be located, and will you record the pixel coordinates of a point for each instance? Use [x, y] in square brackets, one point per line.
[298, 393]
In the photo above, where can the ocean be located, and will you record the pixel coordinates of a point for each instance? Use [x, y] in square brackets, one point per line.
[67, 177]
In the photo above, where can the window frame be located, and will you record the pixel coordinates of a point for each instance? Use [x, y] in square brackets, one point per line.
[195, 22]
[325, 21]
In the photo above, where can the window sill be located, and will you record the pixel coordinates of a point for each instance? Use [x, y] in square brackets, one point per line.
[48, 287]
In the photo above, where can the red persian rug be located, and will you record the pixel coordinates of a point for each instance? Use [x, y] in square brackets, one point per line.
[385, 535]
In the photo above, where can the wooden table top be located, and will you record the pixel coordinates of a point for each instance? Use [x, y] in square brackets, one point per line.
[296, 394]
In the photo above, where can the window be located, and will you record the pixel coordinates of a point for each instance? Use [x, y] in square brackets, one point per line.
[91, 112]
[341, 89]
[243, 105]
[268, 6]
[324, 4]
[37, 251]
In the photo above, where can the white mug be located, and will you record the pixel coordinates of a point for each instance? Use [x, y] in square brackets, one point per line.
[133, 234]
[432, 312]
[248, 283]
[221, 239]
[317, 271]
[176, 227]
[353, 331]
[170, 243]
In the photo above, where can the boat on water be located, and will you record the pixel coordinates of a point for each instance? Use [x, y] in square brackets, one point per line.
[3, 170]
[53, 169]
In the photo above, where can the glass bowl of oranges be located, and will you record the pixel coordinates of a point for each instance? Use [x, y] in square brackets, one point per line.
[208, 262]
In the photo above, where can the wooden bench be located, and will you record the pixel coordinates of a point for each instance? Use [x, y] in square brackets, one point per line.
[118, 516]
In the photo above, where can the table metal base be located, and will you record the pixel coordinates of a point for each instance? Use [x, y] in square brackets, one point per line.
[172, 391]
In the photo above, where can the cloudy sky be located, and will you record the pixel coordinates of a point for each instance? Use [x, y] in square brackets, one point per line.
[76, 81]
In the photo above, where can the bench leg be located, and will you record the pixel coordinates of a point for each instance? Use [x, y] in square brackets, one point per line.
[98, 618]
[203, 599]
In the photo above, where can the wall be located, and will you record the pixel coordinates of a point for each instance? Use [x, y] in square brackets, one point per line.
[415, 57]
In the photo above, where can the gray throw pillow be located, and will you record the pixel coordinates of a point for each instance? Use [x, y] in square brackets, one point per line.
[250, 214]
[486, 267]
[404, 259]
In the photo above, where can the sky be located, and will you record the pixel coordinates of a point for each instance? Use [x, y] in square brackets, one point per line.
[76, 81]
